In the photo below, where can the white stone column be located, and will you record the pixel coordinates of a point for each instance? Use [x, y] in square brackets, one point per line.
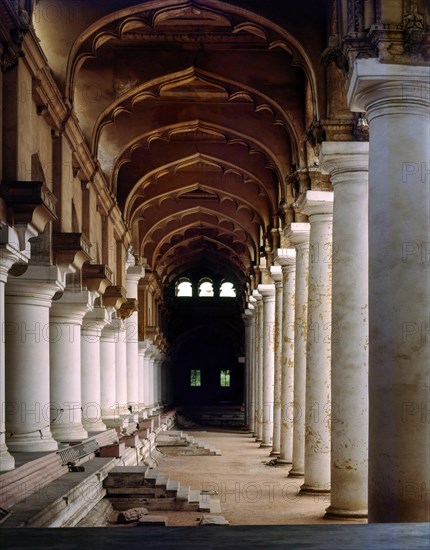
[259, 367]
[28, 300]
[65, 318]
[248, 321]
[141, 376]
[318, 205]
[8, 256]
[108, 378]
[268, 293]
[286, 258]
[252, 381]
[298, 235]
[121, 389]
[276, 274]
[397, 101]
[91, 332]
[146, 379]
[347, 163]
[151, 384]
[133, 276]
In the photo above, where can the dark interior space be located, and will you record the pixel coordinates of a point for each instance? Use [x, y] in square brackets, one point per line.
[206, 336]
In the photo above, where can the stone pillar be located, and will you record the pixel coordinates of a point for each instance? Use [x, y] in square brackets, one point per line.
[286, 258]
[259, 367]
[276, 274]
[397, 101]
[8, 256]
[248, 321]
[298, 235]
[318, 205]
[268, 293]
[347, 164]
[146, 379]
[28, 300]
[91, 332]
[66, 317]
[108, 378]
[141, 376]
[133, 276]
[252, 381]
[121, 375]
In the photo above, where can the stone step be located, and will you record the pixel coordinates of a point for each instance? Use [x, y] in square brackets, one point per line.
[204, 503]
[162, 481]
[183, 493]
[215, 506]
[65, 501]
[194, 496]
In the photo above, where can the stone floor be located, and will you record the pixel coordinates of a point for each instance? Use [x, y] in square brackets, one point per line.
[250, 491]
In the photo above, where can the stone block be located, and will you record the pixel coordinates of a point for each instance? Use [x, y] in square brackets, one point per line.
[116, 450]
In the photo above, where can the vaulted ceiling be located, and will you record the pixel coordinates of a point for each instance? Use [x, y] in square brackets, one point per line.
[196, 112]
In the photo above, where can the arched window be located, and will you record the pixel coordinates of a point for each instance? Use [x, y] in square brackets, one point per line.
[184, 288]
[206, 288]
[227, 290]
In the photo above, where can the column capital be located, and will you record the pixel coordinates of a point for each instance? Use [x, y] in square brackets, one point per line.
[383, 88]
[285, 257]
[257, 296]
[38, 282]
[71, 306]
[341, 158]
[276, 274]
[316, 203]
[248, 316]
[298, 233]
[267, 291]
[135, 273]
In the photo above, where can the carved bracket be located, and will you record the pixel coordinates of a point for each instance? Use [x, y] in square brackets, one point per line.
[71, 249]
[114, 296]
[96, 277]
[129, 307]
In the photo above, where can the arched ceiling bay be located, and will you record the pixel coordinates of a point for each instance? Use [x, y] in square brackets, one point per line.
[195, 111]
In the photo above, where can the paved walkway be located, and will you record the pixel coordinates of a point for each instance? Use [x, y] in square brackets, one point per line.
[251, 492]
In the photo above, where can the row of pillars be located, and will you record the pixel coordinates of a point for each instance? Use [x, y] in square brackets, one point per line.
[338, 347]
[68, 367]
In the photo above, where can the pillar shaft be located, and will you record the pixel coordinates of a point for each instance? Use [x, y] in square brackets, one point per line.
[8, 256]
[347, 164]
[121, 374]
[287, 259]
[107, 377]
[268, 293]
[259, 367]
[276, 274]
[66, 316]
[319, 207]
[28, 300]
[91, 331]
[396, 99]
[133, 276]
[248, 321]
[298, 234]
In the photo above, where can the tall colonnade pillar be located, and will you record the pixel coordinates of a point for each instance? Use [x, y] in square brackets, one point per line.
[92, 325]
[347, 163]
[267, 291]
[286, 258]
[298, 235]
[258, 366]
[27, 303]
[396, 99]
[8, 256]
[66, 317]
[133, 276]
[276, 274]
[318, 205]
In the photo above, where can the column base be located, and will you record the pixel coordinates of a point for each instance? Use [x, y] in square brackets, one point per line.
[296, 473]
[265, 445]
[39, 442]
[7, 462]
[113, 422]
[284, 461]
[275, 453]
[310, 490]
[69, 433]
[96, 426]
[338, 513]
